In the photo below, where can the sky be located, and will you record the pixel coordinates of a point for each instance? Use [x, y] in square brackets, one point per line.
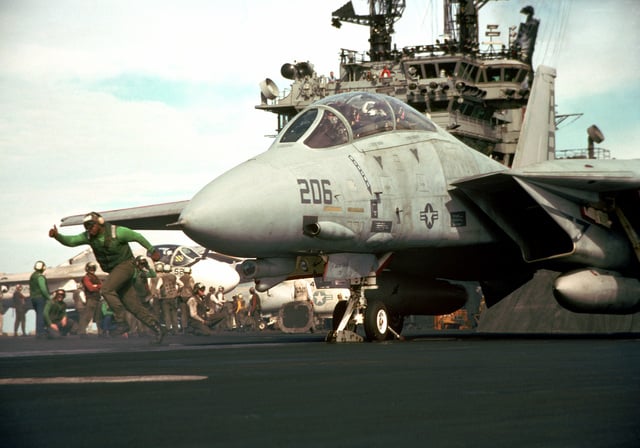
[114, 104]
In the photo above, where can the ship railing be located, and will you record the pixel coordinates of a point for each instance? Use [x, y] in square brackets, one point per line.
[482, 128]
[355, 57]
[583, 153]
[352, 56]
[474, 127]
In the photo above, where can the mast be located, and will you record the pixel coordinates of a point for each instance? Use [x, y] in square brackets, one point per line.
[461, 23]
[382, 15]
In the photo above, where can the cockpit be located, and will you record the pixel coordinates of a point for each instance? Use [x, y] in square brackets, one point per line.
[339, 119]
[179, 256]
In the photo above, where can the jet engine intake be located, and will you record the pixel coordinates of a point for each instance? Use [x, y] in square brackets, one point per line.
[411, 295]
[597, 291]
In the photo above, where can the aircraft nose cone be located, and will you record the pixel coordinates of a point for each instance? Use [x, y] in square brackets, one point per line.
[238, 210]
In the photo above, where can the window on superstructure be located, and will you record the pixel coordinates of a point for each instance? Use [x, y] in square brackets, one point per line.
[494, 74]
[447, 69]
[414, 71]
[473, 72]
[430, 71]
[522, 75]
[511, 74]
[469, 72]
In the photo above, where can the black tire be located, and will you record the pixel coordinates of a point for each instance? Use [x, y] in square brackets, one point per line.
[376, 322]
[338, 313]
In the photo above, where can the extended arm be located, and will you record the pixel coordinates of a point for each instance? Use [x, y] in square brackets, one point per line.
[69, 240]
[128, 235]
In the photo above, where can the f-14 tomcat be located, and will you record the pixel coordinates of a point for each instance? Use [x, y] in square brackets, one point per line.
[361, 186]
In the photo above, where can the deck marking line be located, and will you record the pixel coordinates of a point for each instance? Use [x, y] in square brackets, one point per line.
[101, 379]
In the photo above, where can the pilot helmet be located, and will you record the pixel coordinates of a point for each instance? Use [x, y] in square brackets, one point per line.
[166, 268]
[91, 266]
[199, 287]
[141, 260]
[159, 266]
[59, 293]
[187, 270]
[40, 266]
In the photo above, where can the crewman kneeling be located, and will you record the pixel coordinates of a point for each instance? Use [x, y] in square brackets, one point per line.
[199, 322]
[55, 316]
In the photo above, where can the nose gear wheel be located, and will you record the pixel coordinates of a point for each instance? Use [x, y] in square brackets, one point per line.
[376, 321]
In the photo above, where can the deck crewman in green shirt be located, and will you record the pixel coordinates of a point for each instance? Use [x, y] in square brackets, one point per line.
[39, 291]
[55, 316]
[110, 244]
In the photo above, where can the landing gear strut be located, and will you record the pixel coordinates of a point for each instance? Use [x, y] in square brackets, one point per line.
[346, 316]
[378, 324]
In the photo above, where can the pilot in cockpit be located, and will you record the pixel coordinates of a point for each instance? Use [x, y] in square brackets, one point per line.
[374, 118]
[331, 131]
[373, 109]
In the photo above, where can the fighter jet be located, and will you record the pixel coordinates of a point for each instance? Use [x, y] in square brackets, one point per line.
[360, 186]
[296, 306]
[207, 267]
[64, 275]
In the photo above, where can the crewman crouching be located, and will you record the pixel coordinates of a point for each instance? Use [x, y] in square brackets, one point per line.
[200, 322]
[55, 316]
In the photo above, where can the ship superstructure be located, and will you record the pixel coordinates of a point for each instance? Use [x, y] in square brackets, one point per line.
[478, 95]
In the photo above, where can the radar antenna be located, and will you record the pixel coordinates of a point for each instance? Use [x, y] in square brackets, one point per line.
[461, 23]
[382, 15]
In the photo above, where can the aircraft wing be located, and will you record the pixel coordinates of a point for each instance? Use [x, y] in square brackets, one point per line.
[542, 208]
[150, 217]
[64, 277]
[587, 175]
[594, 176]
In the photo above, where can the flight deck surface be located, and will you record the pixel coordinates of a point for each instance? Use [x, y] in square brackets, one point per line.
[273, 389]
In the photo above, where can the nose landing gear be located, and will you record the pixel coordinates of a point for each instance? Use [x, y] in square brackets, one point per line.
[348, 314]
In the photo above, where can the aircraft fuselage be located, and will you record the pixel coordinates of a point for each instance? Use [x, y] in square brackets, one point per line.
[381, 194]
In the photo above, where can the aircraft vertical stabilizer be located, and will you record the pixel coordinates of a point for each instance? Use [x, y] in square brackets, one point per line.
[537, 141]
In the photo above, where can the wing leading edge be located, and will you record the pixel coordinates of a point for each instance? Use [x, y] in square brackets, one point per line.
[150, 217]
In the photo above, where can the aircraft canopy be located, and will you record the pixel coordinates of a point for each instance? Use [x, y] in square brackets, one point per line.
[338, 119]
